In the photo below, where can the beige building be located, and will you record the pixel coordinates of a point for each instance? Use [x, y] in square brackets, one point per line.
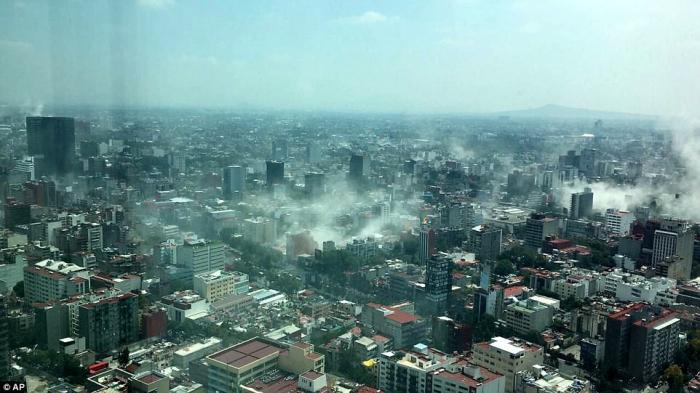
[218, 284]
[242, 363]
[507, 357]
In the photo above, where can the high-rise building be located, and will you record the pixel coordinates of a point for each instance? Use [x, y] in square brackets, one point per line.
[51, 280]
[581, 204]
[538, 227]
[426, 244]
[314, 184]
[450, 336]
[110, 323]
[233, 184]
[201, 256]
[438, 282]
[274, 172]
[674, 238]
[640, 340]
[618, 222]
[359, 167]
[313, 153]
[587, 162]
[280, 149]
[485, 242]
[53, 139]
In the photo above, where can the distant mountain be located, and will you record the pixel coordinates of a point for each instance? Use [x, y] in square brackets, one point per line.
[562, 112]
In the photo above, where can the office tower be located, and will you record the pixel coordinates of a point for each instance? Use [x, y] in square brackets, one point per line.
[314, 184]
[571, 159]
[110, 323]
[587, 162]
[359, 167]
[233, 182]
[537, 227]
[674, 238]
[4, 342]
[618, 222]
[640, 340]
[426, 245]
[52, 138]
[581, 204]
[438, 282]
[280, 149]
[313, 153]
[485, 242]
[201, 256]
[274, 172]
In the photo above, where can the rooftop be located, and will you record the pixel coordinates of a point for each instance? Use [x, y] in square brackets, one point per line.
[245, 353]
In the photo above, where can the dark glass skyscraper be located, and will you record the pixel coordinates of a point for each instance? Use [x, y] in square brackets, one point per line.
[274, 172]
[53, 139]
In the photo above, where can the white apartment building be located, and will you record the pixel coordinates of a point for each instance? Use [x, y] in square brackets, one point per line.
[617, 222]
[507, 357]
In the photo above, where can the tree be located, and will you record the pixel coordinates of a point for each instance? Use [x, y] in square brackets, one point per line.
[674, 376]
[18, 289]
[504, 267]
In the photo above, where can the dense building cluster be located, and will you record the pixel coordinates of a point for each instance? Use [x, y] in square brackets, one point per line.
[281, 252]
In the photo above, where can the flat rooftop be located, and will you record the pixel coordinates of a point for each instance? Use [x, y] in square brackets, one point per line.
[245, 353]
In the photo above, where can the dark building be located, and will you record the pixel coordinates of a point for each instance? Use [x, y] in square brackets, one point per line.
[587, 162]
[233, 184]
[450, 336]
[109, 324]
[50, 324]
[314, 184]
[359, 167]
[409, 167]
[581, 204]
[537, 227]
[640, 340]
[590, 353]
[16, 213]
[274, 172]
[53, 139]
[485, 242]
[89, 149]
[438, 283]
[154, 323]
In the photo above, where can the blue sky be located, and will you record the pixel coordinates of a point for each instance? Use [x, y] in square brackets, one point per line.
[406, 56]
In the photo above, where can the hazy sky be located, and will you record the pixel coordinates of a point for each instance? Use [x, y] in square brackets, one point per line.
[412, 56]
